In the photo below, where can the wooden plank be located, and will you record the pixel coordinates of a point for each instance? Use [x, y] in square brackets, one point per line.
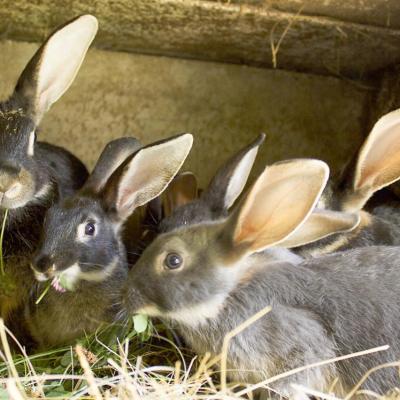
[384, 13]
[225, 32]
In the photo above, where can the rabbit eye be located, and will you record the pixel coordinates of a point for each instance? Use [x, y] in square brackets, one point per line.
[173, 261]
[90, 229]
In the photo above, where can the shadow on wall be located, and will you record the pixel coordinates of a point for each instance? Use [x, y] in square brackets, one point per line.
[118, 94]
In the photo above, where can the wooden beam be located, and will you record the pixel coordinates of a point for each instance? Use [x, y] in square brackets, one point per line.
[217, 31]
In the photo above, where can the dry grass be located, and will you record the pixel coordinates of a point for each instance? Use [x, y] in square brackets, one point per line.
[117, 363]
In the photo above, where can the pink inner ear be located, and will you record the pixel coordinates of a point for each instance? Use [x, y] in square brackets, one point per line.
[274, 209]
[381, 165]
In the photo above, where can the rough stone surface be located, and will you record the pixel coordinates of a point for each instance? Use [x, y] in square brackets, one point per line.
[219, 31]
[223, 105]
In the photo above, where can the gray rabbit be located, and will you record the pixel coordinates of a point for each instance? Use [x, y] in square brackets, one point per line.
[33, 174]
[209, 277]
[182, 203]
[376, 166]
[183, 207]
[81, 240]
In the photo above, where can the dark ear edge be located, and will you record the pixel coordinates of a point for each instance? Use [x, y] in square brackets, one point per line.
[145, 174]
[230, 180]
[43, 66]
[114, 154]
[378, 163]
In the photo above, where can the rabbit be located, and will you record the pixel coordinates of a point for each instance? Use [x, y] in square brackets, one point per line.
[81, 239]
[376, 166]
[182, 202]
[32, 173]
[182, 206]
[210, 277]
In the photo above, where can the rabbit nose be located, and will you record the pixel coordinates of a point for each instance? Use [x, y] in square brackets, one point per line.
[9, 183]
[43, 263]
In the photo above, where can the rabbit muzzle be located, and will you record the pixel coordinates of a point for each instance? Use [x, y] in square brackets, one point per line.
[16, 187]
[44, 268]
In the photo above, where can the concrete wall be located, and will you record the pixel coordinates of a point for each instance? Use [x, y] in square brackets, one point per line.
[224, 106]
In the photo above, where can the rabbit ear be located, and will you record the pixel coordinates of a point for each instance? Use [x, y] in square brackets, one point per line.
[279, 202]
[146, 174]
[378, 162]
[321, 224]
[182, 190]
[113, 155]
[54, 66]
[231, 178]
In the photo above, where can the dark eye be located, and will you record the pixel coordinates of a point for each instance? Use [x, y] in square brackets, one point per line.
[173, 261]
[90, 229]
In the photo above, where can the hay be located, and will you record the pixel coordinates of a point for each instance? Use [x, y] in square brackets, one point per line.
[138, 366]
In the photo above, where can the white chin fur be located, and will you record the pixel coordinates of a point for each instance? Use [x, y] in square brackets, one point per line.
[192, 316]
[73, 273]
[14, 191]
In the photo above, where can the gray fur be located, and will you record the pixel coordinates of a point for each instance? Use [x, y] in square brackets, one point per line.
[210, 205]
[45, 173]
[61, 318]
[326, 307]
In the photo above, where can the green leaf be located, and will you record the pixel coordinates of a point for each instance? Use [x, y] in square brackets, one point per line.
[55, 389]
[66, 283]
[140, 322]
[3, 394]
[66, 359]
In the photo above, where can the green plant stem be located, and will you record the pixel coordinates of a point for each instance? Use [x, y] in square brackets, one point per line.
[40, 298]
[1, 241]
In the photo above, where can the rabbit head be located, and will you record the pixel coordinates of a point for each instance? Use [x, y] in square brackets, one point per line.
[183, 204]
[186, 273]
[81, 235]
[50, 72]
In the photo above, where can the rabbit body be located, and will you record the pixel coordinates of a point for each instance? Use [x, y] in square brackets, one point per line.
[321, 308]
[63, 316]
[34, 174]
[208, 278]
[81, 241]
[291, 335]
[57, 173]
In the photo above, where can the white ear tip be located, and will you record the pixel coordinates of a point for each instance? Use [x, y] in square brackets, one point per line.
[391, 118]
[87, 25]
[89, 20]
[323, 166]
[186, 139]
[307, 164]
